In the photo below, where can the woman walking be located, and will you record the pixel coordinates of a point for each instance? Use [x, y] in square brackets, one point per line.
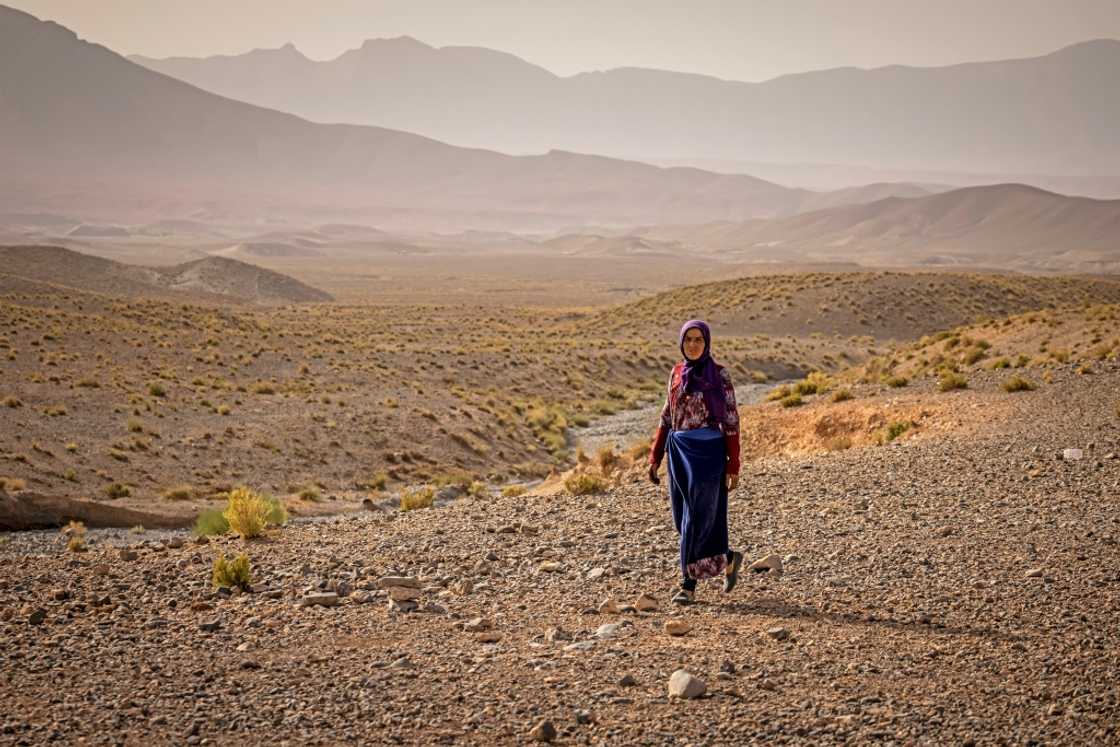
[700, 431]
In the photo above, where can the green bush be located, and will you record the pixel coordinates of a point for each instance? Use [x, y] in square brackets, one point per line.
[792, 400]
[841, 395]
[894, 430]
[896, 382]
[211, 523]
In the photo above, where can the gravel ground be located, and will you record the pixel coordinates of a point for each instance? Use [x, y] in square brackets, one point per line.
[939, 590]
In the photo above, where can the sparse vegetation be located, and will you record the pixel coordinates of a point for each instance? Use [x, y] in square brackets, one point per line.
[584, 483]
[841, 395]
[75, 533]
[232, 574]
[12, 484]
[512, 491]
[117, 490]
[211, 523]
[792, 400]
[416, 498]
[178, 493]
[896, 382]
[894, 430]
[1017, 384]
[249, 513]
[950, 381]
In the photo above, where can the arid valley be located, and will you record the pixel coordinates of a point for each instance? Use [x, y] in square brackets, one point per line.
[333, 434]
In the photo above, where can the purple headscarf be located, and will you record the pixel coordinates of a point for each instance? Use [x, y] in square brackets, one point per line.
[702, 374]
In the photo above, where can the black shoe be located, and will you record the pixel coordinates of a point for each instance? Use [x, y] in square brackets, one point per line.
[732, 576]
[684, 596]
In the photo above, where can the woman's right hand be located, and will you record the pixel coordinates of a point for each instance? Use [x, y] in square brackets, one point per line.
[653, 474]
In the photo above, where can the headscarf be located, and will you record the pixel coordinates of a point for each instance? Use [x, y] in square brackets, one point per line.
[702, 374]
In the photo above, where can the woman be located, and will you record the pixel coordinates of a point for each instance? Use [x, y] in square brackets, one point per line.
[700, 430]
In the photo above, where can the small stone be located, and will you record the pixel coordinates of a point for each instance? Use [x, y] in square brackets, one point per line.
[529, 529]
[686, 686]
[584, 717]
[580, 646]
[778, 634]
[677, 627]
[543, 732]
[627, 681]
[431, 608]
[550, 566]
[403, 605]
[128, 554]
[645, 603]
[607, 630]
[176, 543]
[463, 587]
[477, 625]
[1034, 573]
[321, 599]
[36, 616]
[60, 595]
[488, 636]
[386, 582]
[608, 607]
[202, 540]
[403, 593]
[552, 635]
[790, 559]
[770, 563]
[210, 626]
[596, 573]
[727, 667]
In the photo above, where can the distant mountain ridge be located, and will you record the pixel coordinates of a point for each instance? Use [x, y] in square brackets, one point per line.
[1050, 114]
[83, 128]
[209, 279]
[1002, 225]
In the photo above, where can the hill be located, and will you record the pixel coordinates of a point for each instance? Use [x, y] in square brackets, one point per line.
[1003, 225]
[211, 278]
[968, 117]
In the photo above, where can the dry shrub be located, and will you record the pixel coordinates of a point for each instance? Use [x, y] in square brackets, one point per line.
[792, 400]
[75, 532]
[1017, 384]
[841, 395]
[417, 498]
[117, 490]
[583, 483]
[896, 382]
[249, 512]
[950, 381]
[232, 574]
[178, 493]
[607, 459]
[512, 491]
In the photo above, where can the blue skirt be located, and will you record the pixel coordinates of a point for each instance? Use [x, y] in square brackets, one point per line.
[698, 493]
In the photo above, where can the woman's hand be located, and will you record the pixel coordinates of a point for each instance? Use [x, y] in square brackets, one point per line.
[653, 474]
[732, 482]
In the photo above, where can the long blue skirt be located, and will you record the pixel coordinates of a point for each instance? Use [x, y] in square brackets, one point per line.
[698, 493]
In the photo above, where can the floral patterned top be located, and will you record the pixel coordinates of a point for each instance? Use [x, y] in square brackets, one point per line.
[688, 411]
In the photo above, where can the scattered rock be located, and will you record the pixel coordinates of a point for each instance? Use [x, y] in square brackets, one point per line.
[127, 554]
[645, 603]
[778, 633]
[771, 564]
[596, 573]
[36, 616]
[477, 625]
[1035, 573]
[403, 593]
[321, 599]
[685, 685]
[403, 605]
[677, 627]
[408, 582]
[607, 630]
[210, 626]
[608, 607]
[488, 636]
[543, 732]
[627, 681]
[552, 635]
[550, 566]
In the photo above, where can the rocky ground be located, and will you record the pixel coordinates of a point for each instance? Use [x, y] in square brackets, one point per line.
[962, 588]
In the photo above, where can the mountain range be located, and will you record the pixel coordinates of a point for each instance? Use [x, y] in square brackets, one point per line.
[1053, 114]
[85, 129]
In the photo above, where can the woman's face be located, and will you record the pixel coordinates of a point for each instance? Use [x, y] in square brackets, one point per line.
[693, 344]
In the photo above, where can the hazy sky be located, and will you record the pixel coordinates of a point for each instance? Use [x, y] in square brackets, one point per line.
[743, 40]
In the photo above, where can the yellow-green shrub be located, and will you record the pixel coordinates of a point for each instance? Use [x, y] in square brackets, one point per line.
[417, 498]
[234, 573]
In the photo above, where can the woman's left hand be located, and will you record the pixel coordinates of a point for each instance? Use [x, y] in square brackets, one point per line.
[732, 482]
